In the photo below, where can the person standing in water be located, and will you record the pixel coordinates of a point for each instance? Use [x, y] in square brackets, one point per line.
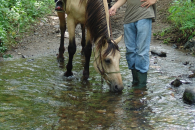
[138, 19]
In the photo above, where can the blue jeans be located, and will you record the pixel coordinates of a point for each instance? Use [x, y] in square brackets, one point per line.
[137, 38]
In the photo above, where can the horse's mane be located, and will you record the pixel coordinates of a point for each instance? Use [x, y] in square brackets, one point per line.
[97, 25]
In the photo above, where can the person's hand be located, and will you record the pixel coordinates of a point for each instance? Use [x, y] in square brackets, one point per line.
[147, 3]
[112, 11]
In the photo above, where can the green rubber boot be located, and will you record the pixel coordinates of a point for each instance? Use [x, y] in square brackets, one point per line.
[135, 77]
[142, 78]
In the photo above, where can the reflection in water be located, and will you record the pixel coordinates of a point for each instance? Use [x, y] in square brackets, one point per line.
[136, 109]
[34, 94]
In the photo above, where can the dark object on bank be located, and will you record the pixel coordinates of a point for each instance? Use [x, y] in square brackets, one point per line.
[160, 54]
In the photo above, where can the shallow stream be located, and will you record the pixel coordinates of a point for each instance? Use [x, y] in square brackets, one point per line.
[35, 95]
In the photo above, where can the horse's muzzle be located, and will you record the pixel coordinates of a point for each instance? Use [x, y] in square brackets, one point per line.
[117, 88]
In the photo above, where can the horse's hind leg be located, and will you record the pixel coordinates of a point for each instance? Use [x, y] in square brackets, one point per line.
[83, 39]
[62, 19]
[72, 45]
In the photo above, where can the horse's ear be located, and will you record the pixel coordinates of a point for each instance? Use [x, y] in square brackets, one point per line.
[118, 39]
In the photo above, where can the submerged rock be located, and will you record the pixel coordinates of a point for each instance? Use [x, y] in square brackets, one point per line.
[176, 83]
[189, 95]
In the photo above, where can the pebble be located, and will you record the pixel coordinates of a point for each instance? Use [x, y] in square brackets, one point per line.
[56, 26]
[101, 111]
[80, 112]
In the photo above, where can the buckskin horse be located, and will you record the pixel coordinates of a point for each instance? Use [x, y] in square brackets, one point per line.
[94, 16]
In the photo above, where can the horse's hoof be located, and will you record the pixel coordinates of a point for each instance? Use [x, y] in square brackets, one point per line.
[60, 59]
[67, 74]
[85, 75]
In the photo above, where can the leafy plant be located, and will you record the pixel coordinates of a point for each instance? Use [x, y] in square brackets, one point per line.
[182, 15]
[17, 15]
[7, 56]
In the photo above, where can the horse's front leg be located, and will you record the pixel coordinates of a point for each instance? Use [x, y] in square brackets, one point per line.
[87, 52]
[83, 39]
[62, 19]
[72, 45]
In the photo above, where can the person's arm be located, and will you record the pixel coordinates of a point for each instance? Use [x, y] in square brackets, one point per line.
[119, 3]
[148, 3]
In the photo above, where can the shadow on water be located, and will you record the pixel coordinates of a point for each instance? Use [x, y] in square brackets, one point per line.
[34, 94]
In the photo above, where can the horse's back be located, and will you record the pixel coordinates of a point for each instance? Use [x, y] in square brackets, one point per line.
[76, 10]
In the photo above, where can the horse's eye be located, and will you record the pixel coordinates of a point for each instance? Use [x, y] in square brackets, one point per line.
[108, 61]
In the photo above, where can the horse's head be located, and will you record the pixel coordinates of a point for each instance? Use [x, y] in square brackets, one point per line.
[106, 63]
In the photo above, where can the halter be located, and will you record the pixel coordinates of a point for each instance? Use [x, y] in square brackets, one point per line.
[102, 72]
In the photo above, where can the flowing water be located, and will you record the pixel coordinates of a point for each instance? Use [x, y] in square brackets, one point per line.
[35, 95]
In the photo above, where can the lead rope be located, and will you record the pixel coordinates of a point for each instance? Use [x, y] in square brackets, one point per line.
[111, 36]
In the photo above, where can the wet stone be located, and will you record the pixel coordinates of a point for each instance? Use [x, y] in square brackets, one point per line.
[186, 63]
[24, 56]
[41, 24]
[192, 67]
[56, 26]
[176, 83]
[101, 111]
[80, 112]
[190, 44]
[191, 75]
[189, 95]
[159, 53]
[186, 81]
[174, 46]
[57, 31]
[30, 60]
